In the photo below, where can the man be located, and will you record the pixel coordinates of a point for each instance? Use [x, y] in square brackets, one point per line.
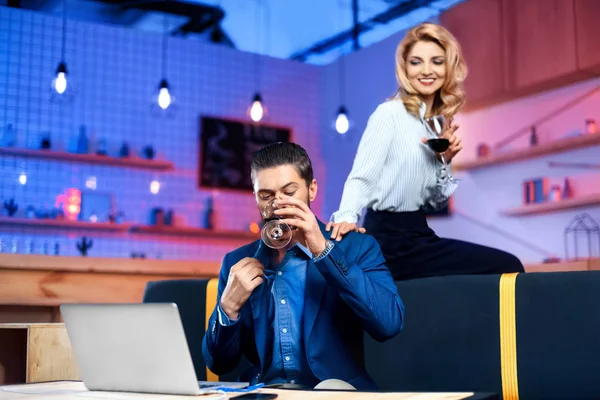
[298, 313]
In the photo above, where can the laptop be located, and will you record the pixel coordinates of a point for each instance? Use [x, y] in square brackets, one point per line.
[139, 347]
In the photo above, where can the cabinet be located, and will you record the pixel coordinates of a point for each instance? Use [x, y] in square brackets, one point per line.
[35, 353]
[540, 42]
[587, 16]
[516, 48]
[478, 27]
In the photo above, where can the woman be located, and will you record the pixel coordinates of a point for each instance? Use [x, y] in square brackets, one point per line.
[396, 176]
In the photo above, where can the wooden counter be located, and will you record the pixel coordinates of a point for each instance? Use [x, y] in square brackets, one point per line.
[588, 264]
[35, 353]
[33, 286]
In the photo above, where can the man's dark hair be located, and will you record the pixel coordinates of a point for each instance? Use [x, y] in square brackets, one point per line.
[283, 153]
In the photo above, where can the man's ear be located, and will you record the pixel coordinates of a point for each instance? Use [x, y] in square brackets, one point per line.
[313, 188]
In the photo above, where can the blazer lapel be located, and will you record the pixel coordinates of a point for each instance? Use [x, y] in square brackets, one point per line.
[260, 301]
[314, 291]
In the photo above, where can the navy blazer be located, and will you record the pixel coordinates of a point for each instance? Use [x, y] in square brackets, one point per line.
[348, 292]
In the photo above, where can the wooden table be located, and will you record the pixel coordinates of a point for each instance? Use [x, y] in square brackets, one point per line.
[76, 391]
[35, 353]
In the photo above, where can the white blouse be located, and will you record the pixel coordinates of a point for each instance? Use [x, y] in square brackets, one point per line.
[393, 170]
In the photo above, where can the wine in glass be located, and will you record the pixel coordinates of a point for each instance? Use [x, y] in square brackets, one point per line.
[275, 233]
[439, 144]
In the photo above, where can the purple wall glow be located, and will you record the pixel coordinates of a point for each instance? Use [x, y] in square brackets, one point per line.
[482, 194]
[116, 71]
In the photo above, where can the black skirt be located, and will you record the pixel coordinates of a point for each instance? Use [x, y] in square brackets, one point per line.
[413, 250]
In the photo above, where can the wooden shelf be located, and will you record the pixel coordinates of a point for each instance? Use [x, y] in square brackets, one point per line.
[39, 280]
[555, 146]
[588, 264]
[127, 227]
[64, 224]
[541, 208]
[106, 265]
[125, 162]
[192, 231]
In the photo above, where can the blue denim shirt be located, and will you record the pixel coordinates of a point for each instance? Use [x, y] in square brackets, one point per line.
[288, 283]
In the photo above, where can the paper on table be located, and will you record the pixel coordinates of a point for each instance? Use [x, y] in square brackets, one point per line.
[434, 396]
[37, 396]
[77, 390]
[133, 396]
[326, 395]
[50, 388]
[334, 395]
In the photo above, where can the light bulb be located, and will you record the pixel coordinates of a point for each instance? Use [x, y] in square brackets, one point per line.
[91, 183]
[60, 83]
[256, 111]
[341, 122]
[22, 179]
[164, 98]
[154, 187]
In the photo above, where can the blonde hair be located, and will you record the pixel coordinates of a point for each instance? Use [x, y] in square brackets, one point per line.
[451, 96]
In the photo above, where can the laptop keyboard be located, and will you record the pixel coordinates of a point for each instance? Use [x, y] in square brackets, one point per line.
[206, 385]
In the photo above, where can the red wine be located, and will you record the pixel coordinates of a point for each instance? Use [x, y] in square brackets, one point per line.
[439, 145]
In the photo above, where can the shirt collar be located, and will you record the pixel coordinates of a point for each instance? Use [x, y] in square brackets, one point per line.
[263, 253]
[422, 110]
[304, 249]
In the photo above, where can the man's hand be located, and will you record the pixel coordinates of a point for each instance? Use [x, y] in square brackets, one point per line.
[244, 277]
[297, 213]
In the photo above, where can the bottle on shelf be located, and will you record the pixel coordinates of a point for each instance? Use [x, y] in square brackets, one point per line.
[9, 136]
[82, 141]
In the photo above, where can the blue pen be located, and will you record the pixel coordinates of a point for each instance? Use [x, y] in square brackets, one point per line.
[246, 389]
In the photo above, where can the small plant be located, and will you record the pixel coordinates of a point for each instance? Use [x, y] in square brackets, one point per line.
[84, 245]
[46, 142]
[148, 152]
[124, 152]
[11, 207]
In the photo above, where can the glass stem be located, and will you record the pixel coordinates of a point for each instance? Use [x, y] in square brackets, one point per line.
[450, 177]
[444, 161]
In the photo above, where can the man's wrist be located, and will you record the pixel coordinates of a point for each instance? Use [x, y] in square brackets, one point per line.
[328, 246]
[230, 311]
[319, 248]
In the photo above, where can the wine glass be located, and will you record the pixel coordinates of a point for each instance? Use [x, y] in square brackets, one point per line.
[439, 144]
[275, 233]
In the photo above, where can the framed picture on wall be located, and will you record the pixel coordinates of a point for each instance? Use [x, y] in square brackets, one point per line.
[226, 148]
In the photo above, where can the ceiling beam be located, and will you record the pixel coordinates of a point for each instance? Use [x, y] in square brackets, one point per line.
[201, 17]
[342, 37]
[355, 32]
[200, 23]
[219, 36]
